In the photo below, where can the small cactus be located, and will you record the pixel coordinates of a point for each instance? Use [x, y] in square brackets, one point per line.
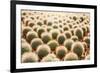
[65, 28]
[25, 47]
[36, 42]
[35, 28]
[43, 50]
[87, 40]
[53, 44]
[70, 57]
[25, 30]
[46, 37]
[29, 57]
[31, 35]
[79, 33]
[68, 34]
[61, 51]
[68, 43]
[78, 48]
[74, 38]
[40, 31]
[54, 33]
[61, 38]
[84, 30]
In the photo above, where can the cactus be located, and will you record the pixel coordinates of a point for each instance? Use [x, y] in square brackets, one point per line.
[84, 30]
[74, 38]
[68, 34]
[61, 51]
[46, 37]
[36, 42]
[40, 31]
[31, 35]
[25, 30]
[43, 50]
[29, 57]
[61, 38]
[35, 28]
[79, 33]
[70, 57]
[54, 33]
[50, 58]
[31, 24]
[55, 26]
[68, 43]
[49, 24]
[87, 40]
[78, 48]
[49, 28]
[53, 44]
[25, 47]
[39, 23]
[65, 27]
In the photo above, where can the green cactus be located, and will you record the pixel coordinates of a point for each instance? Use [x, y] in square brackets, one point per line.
[61, 38]
[35, 28]
[53, 44]
[78, 48]
[84, 30]
[31, 24]
[65, 27]
[61, 51]
[43, 50]
[36, 42]
[39, 23]
[49, 28]
[74, 38]
[87, 40]
[79, 33]
[40, 31]
[55, 26]
[49, 24]
[70, 57]
[31, 35]
[25, 30]
[29, 57]
[54, 33]
[68, 34]
[68, 43]
[46, 37]
[25, 47]
[50, 58]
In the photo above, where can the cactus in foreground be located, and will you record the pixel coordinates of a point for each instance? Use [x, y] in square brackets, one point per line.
[78, 48]
[40, 31]
[53, 44]
[68, 43]
[25, 30]
[31, 35]
[46, 37]
[79, 33]
[54, 33]
[61, 51]
[29, 57]
[70, 57]
[36, 42]
[50, 58]
[74, 38]
[87, 40]
[61, 38]
[25, 47]
[68, 34]
[43, 50]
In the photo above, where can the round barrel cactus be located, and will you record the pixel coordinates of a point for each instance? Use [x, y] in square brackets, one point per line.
[61, 38]
[46, 37]
[68, 43]
[40, 31]
[25, 47]
[79, 33]
[25, 30]
[54, 33]
[78, 48]
[84, 30]
[53, 44]
[29, 57]
[68, 34]
[74, 38]
[36, 42]
[31, 35]
[87, 40]
[61, 51]
[65, 27]
[70, 57]
[43, 50]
